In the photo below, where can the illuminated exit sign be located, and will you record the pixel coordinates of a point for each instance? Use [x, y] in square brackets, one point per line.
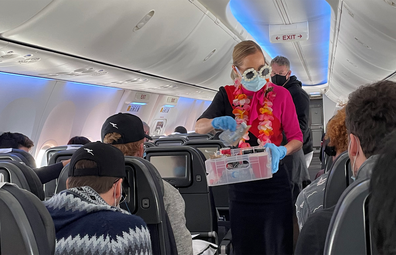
[289, 33]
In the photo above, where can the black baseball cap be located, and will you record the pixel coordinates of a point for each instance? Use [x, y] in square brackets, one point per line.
[129, 126]
[110, 161]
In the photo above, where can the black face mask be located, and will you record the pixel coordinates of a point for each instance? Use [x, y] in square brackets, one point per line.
[330, 150]
[278, 79]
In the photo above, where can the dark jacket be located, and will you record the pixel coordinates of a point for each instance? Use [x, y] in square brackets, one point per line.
[301, 101]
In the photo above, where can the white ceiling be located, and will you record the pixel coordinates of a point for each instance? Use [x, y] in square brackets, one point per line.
[365, 48]
[185, 48]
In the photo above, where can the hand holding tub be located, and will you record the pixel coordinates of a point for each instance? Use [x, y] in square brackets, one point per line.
[225, 123]
[277, 153]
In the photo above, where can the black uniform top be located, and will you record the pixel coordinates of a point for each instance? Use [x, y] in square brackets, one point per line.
[221, 106]
[301, 101]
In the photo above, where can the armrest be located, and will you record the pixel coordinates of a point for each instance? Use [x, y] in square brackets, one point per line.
[226, 245]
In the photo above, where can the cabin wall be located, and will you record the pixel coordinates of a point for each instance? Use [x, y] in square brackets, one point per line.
[329, 108]
[50, 112]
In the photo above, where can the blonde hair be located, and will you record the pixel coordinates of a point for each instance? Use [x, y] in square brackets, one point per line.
[129, 149]
[241, 51]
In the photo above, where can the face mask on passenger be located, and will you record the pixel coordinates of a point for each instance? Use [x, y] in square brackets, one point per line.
[279, 79]
[253, 80]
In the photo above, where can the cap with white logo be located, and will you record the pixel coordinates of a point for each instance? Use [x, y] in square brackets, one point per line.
[110, 161]
[129, 126]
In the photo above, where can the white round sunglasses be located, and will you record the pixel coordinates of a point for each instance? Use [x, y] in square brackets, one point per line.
[251, 73]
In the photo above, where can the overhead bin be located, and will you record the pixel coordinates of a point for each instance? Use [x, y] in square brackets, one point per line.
[365, 46]
[173, 43]
[17, 12]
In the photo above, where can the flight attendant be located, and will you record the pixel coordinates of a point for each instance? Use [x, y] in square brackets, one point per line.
[260, 211]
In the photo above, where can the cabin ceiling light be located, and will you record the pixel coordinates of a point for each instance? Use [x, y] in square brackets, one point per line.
[210, 55]
[391, 3]
[143, 21]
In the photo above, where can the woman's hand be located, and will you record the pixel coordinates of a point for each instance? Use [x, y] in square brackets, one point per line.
[277, 153]
[225, 123]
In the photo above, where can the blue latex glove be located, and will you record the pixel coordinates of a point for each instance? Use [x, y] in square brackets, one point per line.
[277, 153]
[225, 123]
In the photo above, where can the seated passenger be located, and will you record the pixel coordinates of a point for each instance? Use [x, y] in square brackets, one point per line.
[146, 128]
[370, 117]
[311, 198]
[180, 130]
[22, 142]
[78, 140]
[87, 216]
[382, 205]
[125, 131]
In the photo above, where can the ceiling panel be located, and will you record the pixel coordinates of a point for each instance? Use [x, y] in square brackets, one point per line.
[309, 59]
[365, 51]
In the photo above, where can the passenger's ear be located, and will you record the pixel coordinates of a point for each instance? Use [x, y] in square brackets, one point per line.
[353, 147]
[118, 188]
[141, 150]
[67, 183]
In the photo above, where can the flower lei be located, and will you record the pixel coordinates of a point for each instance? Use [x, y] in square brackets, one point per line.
[241, 112]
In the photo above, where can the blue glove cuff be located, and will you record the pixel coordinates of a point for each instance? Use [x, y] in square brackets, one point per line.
[283, 151]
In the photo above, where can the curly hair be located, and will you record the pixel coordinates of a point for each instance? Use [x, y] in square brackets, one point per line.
[371, 114]
[129, 149]
[337, 131]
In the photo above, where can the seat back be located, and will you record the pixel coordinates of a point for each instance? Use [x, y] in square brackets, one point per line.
[192, 185]
[347, 233]
[144, 189]
[149, 144]
[23, 176]
[220, 193]
[18, 155]
[338, 180]
[171, 141]
[195, 136]
[55, 156]
[26, 225]
[49, 153]
[144, 197]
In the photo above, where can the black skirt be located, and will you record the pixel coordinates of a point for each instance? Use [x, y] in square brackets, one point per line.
[261, 214]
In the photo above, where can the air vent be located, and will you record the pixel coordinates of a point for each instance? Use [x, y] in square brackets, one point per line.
[391, 3]
[29, 60]
[350, 62]
[362, 43]
[8, 55]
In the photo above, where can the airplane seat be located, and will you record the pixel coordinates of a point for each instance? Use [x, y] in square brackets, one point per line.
[143, 187]
[23, 176]
[149, 144]
[18, 155]
[348, 231]
[26, 225]
[195, 136]
[61, 183]
[57, 156]
[51, 151]
[145, 191]
[338, 180]
[171, 141]
[220, 193]
[184, 168]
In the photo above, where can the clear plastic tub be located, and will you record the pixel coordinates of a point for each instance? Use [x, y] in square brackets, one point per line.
[238, 168]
